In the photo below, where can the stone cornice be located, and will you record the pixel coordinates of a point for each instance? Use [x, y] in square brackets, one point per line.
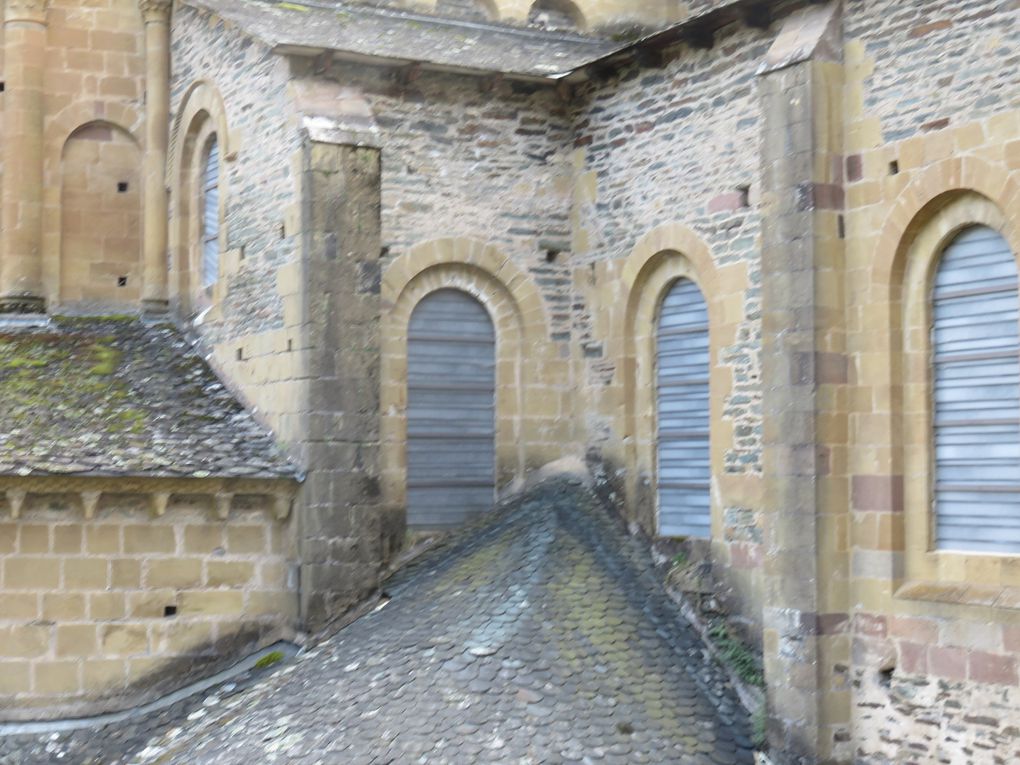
[219, 492]
[25, 10]
[154, 11]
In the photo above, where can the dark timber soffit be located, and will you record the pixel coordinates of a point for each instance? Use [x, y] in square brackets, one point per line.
[116, 397]
[359, 32]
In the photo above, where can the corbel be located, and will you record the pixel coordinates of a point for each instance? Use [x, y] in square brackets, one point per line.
[16, 501]
[224, 500]
[160, 500]
[89, 503]
[281, 504]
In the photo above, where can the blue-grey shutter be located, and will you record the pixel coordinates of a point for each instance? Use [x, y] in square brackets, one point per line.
[684, 469]
[976, 360]
[451, 422]
[211, 216]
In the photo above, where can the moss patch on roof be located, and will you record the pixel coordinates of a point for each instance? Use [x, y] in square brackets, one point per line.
[118, 397]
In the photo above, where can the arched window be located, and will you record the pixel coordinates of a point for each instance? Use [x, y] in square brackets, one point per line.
[210, 221]
[975, 341]
[556, 15]
[684, 460]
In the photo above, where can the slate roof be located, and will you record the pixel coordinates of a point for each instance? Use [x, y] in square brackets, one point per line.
[540, 634]
[400, 36]
[104, 397]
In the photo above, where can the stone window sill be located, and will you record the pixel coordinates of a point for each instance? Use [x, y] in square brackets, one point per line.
[960, 593]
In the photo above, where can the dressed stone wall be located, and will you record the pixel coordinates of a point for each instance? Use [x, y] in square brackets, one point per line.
[112, 610]
[93, 78]
[932, 143]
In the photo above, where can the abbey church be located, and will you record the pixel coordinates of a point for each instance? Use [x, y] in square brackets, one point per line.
[287, 285]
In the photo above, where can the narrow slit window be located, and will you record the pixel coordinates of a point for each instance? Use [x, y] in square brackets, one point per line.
[210, 223]
[975, 341]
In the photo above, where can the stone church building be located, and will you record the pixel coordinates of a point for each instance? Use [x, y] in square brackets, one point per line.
[284, 283]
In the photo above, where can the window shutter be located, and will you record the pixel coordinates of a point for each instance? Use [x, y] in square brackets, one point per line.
[211, 216]
[451, 410]
[976, 359]
[684, 470]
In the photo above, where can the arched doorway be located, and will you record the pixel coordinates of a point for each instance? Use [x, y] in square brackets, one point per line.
[684, 457]
[451, 412]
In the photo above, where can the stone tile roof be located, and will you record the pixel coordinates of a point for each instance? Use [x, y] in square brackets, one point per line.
[541, 633]
[400, 36]
[111, 397]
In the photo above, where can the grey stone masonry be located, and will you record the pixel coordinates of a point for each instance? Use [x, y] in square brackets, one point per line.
[343, 535]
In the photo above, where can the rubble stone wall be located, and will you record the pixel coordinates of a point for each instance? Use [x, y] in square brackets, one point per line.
[251, 321]
[667, 165]
[464, 157]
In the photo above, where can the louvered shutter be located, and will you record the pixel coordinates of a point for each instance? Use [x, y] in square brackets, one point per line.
[451, 392]
[976, 360]
[211, 216]
[683, 414]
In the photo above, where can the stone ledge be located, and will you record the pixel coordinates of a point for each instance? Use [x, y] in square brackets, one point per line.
[961, 593]
[87, 492]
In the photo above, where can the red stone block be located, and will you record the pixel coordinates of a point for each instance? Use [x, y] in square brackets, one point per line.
[913, 658]
[914, 629]
[1011, 637]
[854, 168]
[728, 202]
[870, 624]
[950, 663]
[927, 29]
[877, 493]
[992, 668]
[744, 555]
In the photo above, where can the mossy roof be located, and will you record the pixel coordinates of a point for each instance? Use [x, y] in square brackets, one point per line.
[363, 31]
[117, 397]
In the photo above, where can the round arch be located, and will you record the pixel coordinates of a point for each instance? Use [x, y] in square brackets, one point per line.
[201, 118]
[118, 117]
[100, 229]
[558, 11]
[522, 350]
[663, 256]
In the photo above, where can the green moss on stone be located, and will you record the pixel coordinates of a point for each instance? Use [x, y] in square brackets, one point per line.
[271, 658]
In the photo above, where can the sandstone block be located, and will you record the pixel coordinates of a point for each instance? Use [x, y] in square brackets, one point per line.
[76, 640]
[178, 573]
[124, 639]
[149, 539]
[52, 678]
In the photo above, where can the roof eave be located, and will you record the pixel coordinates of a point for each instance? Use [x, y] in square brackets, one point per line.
[354, 57]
